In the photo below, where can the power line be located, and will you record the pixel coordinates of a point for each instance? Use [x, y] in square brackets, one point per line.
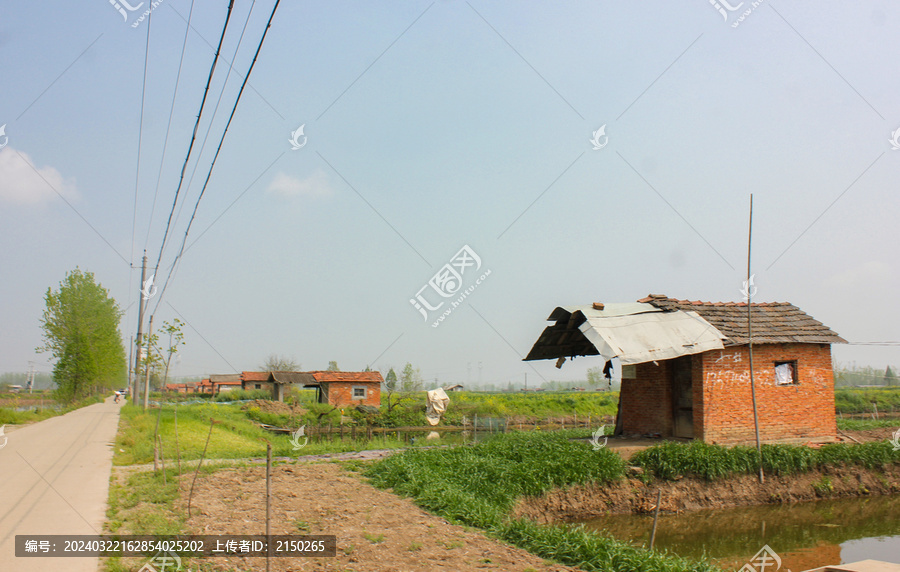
[187, 157]
[216, 108]
[212, 165]
[169, 123]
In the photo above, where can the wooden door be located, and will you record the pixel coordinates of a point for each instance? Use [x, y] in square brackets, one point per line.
[682, 398]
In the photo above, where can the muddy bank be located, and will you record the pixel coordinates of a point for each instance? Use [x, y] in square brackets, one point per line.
[632, 496]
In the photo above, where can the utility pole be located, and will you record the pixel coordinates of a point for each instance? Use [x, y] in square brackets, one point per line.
[526, 381]
[31, 378]
[147, 380]
[130, 360]
[137, 360]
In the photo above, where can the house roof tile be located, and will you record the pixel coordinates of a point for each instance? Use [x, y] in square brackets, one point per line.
[772, 322]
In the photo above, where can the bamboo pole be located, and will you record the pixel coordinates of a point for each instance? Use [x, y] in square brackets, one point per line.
[762, 477]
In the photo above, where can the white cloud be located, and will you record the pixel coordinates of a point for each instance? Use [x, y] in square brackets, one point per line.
[316, 185]
[22, 182]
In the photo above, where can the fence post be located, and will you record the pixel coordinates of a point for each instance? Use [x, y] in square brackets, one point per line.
[268, 503]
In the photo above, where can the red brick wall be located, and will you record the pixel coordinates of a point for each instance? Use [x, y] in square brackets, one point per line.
[786, 413]
[647, 400]
[723, 411]
[340, 394]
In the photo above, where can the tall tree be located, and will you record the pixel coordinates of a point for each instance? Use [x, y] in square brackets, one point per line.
[889, 376]
[333, 366]
[390, 381]
[81, 331]
[410, 378]
[279, 363]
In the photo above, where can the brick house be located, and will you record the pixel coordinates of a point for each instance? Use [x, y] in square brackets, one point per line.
[339, 388]
[349, 388]
[685, 367]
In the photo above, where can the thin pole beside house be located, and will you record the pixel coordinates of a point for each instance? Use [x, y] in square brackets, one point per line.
[750, 345]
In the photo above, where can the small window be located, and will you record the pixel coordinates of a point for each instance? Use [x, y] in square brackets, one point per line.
[786, 373]
[258, 386]
[359, 393]
[629, 372]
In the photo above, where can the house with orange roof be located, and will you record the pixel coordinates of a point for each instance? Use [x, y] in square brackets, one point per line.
[339, 388]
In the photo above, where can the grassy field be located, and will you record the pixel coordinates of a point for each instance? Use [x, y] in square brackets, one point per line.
[234, 436]
[9, 415]
[478, 485]
[861, 400]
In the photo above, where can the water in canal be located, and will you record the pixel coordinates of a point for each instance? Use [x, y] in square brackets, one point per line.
[804, 535]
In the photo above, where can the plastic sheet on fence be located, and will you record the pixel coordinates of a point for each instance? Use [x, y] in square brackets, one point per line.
[437, 404]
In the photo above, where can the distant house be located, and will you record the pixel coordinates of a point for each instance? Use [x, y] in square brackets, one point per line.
[455, 387]
[225, 382]
[686, 372]
[339, 388]
[182, 387]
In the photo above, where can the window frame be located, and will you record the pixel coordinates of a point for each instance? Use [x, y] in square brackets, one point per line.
[362, 388]
[795, 377]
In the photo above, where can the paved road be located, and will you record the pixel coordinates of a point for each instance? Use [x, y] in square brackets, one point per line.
[54, 479]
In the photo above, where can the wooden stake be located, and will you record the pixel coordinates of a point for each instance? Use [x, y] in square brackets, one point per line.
[655, 518]
[177, 450]
[268, 504]
[191, 494]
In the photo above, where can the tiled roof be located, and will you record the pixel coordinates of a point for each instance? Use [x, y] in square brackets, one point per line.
[225, 378]
[348, 376]
[255, 376]
[772, 322]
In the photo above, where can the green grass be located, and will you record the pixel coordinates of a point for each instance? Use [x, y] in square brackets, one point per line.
[864, 424]
[671, 460]
[9, 416]
[234, 436]
[534, 406]
[860, 400]
[478, 485]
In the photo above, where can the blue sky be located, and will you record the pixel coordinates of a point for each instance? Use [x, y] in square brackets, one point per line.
[433, 125]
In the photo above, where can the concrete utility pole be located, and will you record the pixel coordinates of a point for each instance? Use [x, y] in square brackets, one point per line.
[31, 378]
[147, 381]
[137, 360]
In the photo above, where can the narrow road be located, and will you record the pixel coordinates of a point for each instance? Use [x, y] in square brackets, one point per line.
[54, 479]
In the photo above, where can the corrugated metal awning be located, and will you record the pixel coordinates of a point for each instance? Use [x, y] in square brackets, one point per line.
[635, 333]
[647, 337]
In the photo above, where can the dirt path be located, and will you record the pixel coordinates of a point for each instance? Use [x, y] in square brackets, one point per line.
[55, 480]
[376, 531]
